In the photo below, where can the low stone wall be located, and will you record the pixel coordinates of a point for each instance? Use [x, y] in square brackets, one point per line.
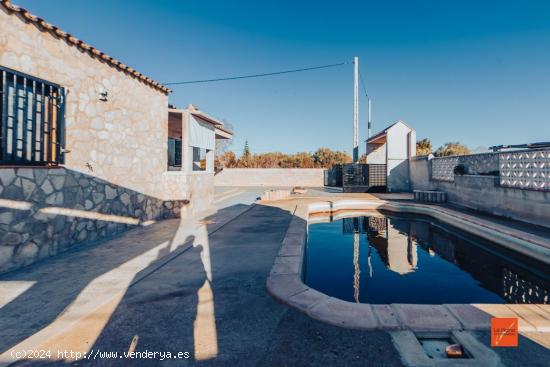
[196, 187]
[484, 193]
[283, 177]
[44, 211]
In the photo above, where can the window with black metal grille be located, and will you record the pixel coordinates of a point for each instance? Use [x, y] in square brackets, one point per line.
[32, 119]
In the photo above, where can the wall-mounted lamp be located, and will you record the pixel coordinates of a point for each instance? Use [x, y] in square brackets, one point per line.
[103, 96]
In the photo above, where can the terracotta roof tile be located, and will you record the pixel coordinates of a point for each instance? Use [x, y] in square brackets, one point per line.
[92, 51]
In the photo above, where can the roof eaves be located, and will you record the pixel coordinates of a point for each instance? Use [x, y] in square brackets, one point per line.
[207, 118]
[71, 40]
[377, 136]
[222, 128]
[385, 131]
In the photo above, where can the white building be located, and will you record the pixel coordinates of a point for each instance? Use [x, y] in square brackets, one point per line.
[192, 137]
[393, 146]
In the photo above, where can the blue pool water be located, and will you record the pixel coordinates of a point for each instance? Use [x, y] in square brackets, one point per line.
[398, 259]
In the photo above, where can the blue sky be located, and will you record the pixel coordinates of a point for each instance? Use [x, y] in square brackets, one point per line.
[477, 72]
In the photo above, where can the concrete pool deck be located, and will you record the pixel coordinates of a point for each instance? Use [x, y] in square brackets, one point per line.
[196, 286]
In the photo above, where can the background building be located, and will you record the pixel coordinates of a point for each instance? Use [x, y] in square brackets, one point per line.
[393, 146]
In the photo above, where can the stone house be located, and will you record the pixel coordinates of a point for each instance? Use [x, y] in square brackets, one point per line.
[393, 146]
[83, 144]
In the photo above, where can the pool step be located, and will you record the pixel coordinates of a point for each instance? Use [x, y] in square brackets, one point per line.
[430, 196]
[274, 195]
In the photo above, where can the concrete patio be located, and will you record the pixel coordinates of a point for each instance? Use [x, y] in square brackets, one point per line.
[194, 286]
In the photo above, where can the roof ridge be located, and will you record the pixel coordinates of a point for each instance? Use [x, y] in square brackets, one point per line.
[385, 130]
[42, 25]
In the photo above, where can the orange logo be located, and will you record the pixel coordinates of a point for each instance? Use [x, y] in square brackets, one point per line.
[504, 332]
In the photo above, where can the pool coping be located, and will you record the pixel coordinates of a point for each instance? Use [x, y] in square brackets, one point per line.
[285, 283]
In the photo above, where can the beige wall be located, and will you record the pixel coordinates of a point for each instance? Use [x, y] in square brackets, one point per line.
[283, 177]
[123, 140]
[197, 187]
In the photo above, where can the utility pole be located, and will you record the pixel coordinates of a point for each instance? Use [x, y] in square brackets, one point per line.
[370, 120]
[356, 110]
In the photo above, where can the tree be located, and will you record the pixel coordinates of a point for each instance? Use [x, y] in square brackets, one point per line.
[322, 158]
[448, 149]
[423, 147]
[302, 160]
[326, 158]
[226, 160]
[222, 157]
[246, 150]
[246, 159]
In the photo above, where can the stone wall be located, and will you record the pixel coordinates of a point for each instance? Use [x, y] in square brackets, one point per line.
[484, 193]
[44, 211]
[283, 177]
[122, 140]
[113, 176]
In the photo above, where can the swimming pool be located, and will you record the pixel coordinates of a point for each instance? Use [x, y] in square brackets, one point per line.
[380, 258]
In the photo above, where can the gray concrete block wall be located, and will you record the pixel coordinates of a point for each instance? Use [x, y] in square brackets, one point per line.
[420, 174]
[44, 211]
[484, 193]
[282, 177]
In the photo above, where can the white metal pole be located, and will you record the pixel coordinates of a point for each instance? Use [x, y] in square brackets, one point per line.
[356, 110]
[370, 120]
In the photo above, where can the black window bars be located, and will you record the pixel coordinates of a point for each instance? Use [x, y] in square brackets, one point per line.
[32, 114]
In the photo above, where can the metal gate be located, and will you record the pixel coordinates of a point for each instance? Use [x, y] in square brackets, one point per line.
[357, 177]
[333, 176]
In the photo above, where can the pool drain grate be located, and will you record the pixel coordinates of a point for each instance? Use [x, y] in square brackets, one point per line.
[442, 348]
[445, 348]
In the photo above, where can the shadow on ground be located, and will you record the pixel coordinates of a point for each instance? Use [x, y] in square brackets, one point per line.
[208, 301]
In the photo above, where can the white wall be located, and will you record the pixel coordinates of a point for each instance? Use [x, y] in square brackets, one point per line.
[376, 153]
[282, 177]
[201, 134]
[400, 139]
